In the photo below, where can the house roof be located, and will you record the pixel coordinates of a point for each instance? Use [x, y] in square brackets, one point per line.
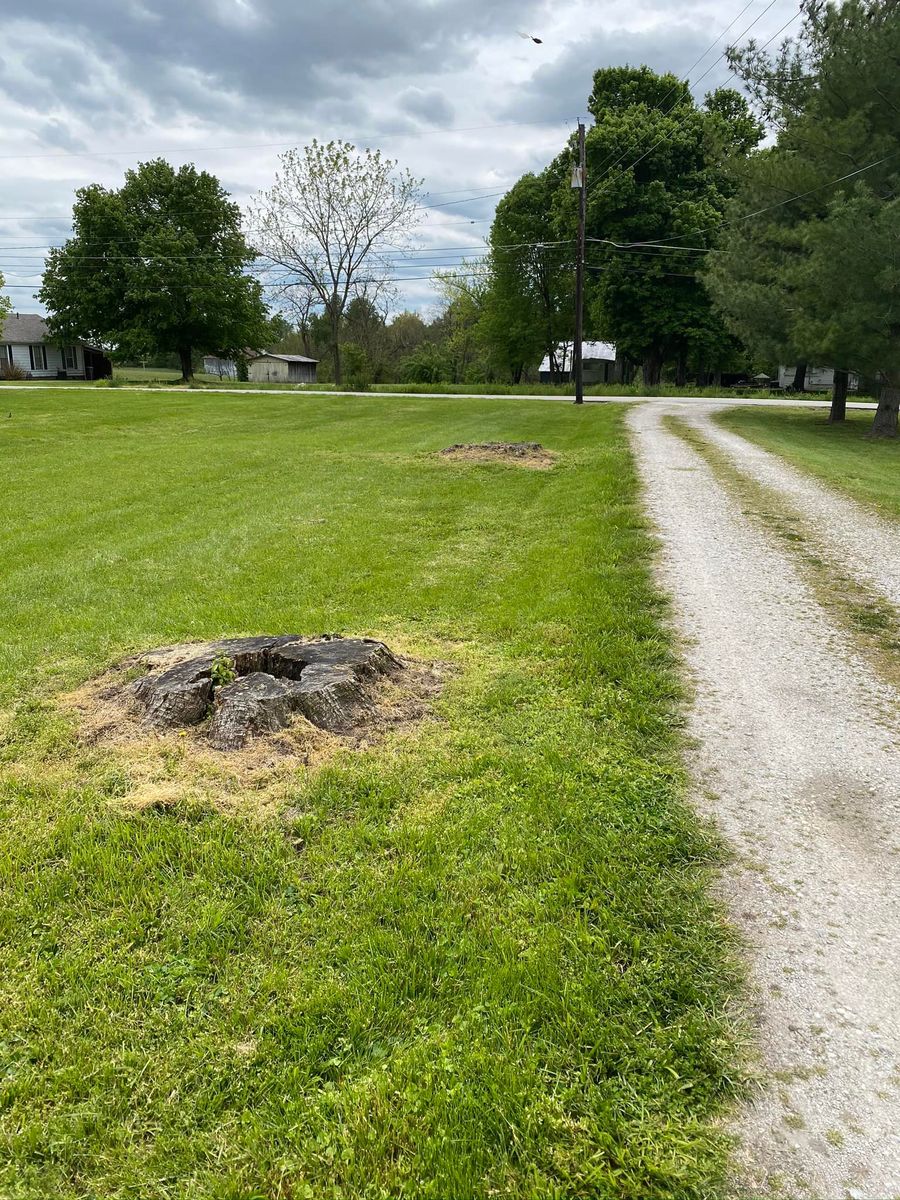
[287, 357]
[590, 352]
[24, 327]
[31, 329]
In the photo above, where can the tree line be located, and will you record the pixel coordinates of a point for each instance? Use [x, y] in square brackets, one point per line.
[709, 251]
[723, 235]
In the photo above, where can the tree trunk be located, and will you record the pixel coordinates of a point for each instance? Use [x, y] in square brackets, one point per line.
[652, 367]
[885, 423]
[839, 396]
[187, 369]
[799, 384]
[336, 343]
[681, 369]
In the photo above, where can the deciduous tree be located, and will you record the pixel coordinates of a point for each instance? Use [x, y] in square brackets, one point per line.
[158, 266]
[660, 170]
[528, 304]
[332, 223]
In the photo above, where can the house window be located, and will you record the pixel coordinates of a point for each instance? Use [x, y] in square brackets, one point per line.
[38, 358]
[6, 356]
[70, 358]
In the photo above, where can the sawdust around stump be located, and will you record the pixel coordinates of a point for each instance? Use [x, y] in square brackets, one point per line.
[517, 454]
[163, 769]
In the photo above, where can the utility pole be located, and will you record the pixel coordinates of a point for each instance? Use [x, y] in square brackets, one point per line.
[579, 180]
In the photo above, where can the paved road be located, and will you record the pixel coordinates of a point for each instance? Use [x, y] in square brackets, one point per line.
[798, 759]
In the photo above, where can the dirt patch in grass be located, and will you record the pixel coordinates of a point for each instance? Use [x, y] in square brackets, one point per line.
[160, 769]
[517, 454]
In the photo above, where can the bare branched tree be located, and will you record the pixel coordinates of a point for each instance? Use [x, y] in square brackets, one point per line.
[331, 223]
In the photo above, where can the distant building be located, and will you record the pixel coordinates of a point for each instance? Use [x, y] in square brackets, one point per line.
[282, 368]
[818, 379]
[600, 364]
[225, 368]
[25, 343]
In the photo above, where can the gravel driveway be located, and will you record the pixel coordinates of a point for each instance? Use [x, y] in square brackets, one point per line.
[798, 759]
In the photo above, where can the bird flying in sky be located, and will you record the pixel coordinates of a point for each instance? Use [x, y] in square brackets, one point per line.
[529, 37]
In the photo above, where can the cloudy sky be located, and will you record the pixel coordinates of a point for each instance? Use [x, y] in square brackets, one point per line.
[447, 87]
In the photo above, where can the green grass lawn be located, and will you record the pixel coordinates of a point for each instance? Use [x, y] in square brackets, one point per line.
[842, 455]
[484, 962]
[160, 375]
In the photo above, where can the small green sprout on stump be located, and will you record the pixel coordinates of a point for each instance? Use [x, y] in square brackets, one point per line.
[223, 670]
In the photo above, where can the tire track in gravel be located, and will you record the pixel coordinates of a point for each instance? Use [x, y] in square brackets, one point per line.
[799, 762]
[866, 545]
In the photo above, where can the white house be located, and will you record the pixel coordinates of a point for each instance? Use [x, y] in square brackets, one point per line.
[600, 364]
[24, 343]
[282, 368]
[818, 379]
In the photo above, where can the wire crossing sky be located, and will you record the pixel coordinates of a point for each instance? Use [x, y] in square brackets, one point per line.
[448, 88]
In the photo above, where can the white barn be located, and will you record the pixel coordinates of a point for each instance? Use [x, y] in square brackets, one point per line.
[599, 363]
[24, 343]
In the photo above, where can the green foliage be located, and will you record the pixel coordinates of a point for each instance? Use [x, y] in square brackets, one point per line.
[651, 304]
[821, 268]
[5, 303]
[477, 959]
[658, 166]
[332, 221]
[357, 369]
[223, 670]
[528, 306]
[427, 364]
[157, 266]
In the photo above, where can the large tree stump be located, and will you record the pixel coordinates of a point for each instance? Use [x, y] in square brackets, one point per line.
[324, 680]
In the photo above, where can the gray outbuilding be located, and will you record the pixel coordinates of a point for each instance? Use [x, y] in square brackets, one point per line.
[282, 368]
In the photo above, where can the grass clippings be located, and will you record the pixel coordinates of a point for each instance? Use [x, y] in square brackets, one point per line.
[107, 717]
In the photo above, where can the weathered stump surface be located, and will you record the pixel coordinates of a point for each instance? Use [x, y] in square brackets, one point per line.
[277, 677]
[256, 703]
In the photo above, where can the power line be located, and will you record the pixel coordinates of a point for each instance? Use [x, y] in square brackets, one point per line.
[728, 221]
[394, 135]
[690, 111]
[687, 82]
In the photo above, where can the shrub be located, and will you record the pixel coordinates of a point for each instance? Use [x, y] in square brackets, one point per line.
[13, 371]
[357, 369]
[427, 364]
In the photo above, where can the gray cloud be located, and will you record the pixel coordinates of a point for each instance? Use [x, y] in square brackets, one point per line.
[444, 86]
[197, 57]
[561, 89]
[431, 105]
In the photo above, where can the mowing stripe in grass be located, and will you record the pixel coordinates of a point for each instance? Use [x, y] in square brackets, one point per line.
[485, 961]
